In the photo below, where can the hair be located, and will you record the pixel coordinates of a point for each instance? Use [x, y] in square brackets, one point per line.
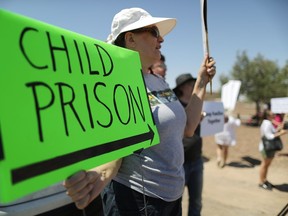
[226, 118]
[178, 92]
[120, 40]
[162, 58]
[267, 114]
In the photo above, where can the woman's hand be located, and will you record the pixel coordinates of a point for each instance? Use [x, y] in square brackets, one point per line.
[84, 186]
[207, 70]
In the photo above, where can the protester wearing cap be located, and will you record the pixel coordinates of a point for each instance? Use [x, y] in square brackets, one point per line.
[193, 163]
[149, 182]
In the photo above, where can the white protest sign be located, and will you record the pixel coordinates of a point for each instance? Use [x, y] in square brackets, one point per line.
[279, 105]
[229, 94]
[213, 122]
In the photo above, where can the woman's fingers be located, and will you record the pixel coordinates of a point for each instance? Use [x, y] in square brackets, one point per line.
[90, 192]
[210, 67]
[211, 71]
[83, 203]
[78, 188]
[76, 183]
[83, 187]
[74, 179]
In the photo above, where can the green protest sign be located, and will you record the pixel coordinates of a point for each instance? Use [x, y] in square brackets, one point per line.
[68, 102]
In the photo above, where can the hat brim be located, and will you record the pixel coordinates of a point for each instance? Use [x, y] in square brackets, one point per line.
[165, 25]
[182, 83]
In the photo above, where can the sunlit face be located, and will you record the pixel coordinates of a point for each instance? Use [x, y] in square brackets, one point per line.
[147, 42]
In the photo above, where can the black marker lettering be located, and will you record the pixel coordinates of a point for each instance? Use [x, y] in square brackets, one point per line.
[79, 56]
[88, 106]
[39, 108]
[64, 103]
[89, 62]
[133, 99]
[54, 48]
[21, 43]
[104, 52]
[98, 99]
[118, 86]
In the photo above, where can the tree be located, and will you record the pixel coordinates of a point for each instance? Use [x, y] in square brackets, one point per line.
[261, 78]
[284, 74]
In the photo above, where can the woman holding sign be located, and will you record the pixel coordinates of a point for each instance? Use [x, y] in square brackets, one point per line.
[268, 130]
[149, 182]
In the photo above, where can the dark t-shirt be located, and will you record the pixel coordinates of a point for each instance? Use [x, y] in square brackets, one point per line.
[192, 145]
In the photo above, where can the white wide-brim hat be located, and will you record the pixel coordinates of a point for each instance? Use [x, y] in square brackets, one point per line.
[135, 18]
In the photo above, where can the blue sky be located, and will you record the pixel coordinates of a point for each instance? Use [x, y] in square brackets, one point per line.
[254, 26]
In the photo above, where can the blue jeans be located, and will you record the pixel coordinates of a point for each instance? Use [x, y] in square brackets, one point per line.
[194, 183]
[119, 200]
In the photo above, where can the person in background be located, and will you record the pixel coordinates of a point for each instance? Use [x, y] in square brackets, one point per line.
[151, 181]
[226, 138]
[193, 162]
[268, 130]
[159, 67]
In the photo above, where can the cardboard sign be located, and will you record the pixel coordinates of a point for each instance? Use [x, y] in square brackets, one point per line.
[279, 105]
[229, 94]
[68, 102]
[213, 122]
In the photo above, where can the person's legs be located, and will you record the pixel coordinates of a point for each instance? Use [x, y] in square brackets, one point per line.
[264, 166]
[194, 183]
[264, 169]
[225, 155]
[219, 154]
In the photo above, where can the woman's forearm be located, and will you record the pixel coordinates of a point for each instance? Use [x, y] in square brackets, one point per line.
[109, 170]
[194, 106]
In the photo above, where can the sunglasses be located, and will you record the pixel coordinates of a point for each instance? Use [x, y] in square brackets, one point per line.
[154, 31]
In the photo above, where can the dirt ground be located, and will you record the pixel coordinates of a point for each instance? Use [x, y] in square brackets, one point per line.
[234, 189]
